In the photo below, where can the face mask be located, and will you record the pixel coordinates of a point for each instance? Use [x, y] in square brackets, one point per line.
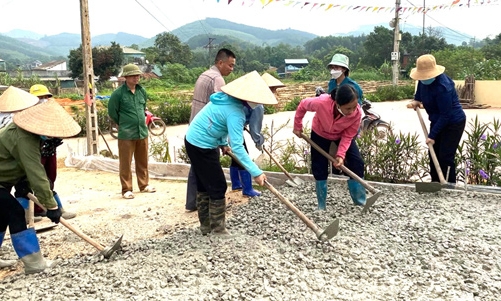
[252, 105]
[427, 81]
[339, 110]
[336, 73]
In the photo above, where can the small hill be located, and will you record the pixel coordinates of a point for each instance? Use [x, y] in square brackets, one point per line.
[15, 50]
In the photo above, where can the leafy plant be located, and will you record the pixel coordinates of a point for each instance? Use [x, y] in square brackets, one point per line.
[159, 151]
[292, 105]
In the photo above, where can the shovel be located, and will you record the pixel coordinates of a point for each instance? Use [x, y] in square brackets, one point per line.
[294, 182]
[376, 193]
[105, 251]
[325, 234]
[430, 187]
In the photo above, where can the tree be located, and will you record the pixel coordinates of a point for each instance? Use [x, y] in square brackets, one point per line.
[378, 46]
[171, 50]
[106, 61]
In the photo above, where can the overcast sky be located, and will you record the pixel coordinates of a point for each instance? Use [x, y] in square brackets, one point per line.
[150, 17]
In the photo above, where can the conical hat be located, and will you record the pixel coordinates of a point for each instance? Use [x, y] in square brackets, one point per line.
[47, 119]
[15, 99]
[272, 81]
[250, 87]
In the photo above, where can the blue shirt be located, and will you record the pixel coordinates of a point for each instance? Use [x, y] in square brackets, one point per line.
[347, 80]
[441, 102]
[222, 119]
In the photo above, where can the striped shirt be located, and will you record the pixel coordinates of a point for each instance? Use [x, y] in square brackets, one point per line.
[207, 83]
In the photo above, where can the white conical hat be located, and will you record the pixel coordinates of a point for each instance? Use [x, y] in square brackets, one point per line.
[47, 119]
[15, 99]
[250, 87]
[272, 81]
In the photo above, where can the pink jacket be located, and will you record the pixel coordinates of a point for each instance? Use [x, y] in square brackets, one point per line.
[343, 128]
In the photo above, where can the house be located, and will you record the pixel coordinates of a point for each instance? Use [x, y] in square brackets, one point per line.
[133, 56]
[52, 66]
[294, 65]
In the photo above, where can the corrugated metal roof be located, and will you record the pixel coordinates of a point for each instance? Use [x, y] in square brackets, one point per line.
[296, 61]
[49, 65]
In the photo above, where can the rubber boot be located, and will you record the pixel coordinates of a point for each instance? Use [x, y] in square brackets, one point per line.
[235, 178]
[26, 245]
[247, 189]
[321, 187]
[5, 263]
[203, 212]
[25, 203]
[65, 214]
[191, 192]
[357, 192]
[217, 209]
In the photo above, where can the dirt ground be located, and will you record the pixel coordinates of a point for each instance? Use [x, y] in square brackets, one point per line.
[104, 215]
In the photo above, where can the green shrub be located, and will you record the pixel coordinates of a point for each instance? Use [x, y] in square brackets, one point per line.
[479, 155]
[159, 151]
[173, 112]
[269, 109]
[102, 120]
[292, 105]
[399, 158]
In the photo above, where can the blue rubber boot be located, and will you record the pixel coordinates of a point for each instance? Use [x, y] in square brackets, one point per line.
[26, 245]
[321, 187]
[5, 263]
[357, 192]
[65, 214]
[235, 178]
[246, 179]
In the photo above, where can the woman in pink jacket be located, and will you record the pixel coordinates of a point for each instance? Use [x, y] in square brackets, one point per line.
[337, 118]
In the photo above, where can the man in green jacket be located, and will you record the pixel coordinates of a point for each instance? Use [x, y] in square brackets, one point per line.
[126, 107]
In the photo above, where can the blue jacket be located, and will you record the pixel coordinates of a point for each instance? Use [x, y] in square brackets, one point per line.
[347, 80]
[441, 102]
[222, 119]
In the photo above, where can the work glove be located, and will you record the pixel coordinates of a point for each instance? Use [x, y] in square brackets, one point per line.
[319, 91]
[259, 147]
[48, 148]
[54, 215]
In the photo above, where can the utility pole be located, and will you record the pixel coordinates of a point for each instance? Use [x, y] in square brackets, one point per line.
[395, 55]
[209, 46]
[88, 85]
[424, 14]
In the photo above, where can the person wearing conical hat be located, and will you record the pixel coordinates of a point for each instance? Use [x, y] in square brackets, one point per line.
[239, 176]
[437, 93]
[339, 67]
[219, 125]
[20, 158]
[15, 100]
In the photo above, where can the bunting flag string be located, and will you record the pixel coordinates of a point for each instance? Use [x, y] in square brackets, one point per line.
[326, 6]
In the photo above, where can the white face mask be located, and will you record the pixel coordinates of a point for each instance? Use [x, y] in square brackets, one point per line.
[339, 110]
[253, 105]
[336, 73]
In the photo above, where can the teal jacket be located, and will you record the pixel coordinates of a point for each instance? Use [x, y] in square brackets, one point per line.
[347, 80]
[127, 110]
[222, 119]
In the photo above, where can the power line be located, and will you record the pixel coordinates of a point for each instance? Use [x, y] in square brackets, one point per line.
[187, 36]
[152, 16]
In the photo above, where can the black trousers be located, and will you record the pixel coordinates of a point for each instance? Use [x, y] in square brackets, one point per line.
[320, 164]
[12, 213]
[446, 145]
[208, 171]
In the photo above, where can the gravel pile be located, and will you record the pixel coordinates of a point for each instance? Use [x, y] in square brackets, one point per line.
[410, 246]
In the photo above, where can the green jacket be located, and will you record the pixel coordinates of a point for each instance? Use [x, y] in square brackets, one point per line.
[20, 157]
[127, 110]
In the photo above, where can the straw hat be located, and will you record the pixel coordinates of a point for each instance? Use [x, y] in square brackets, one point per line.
[250, 87]
[272, 81]
[15, 99]
[47, 119]
[426, 68]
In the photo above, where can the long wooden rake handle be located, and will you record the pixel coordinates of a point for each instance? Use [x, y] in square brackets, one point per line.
[432, 150]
